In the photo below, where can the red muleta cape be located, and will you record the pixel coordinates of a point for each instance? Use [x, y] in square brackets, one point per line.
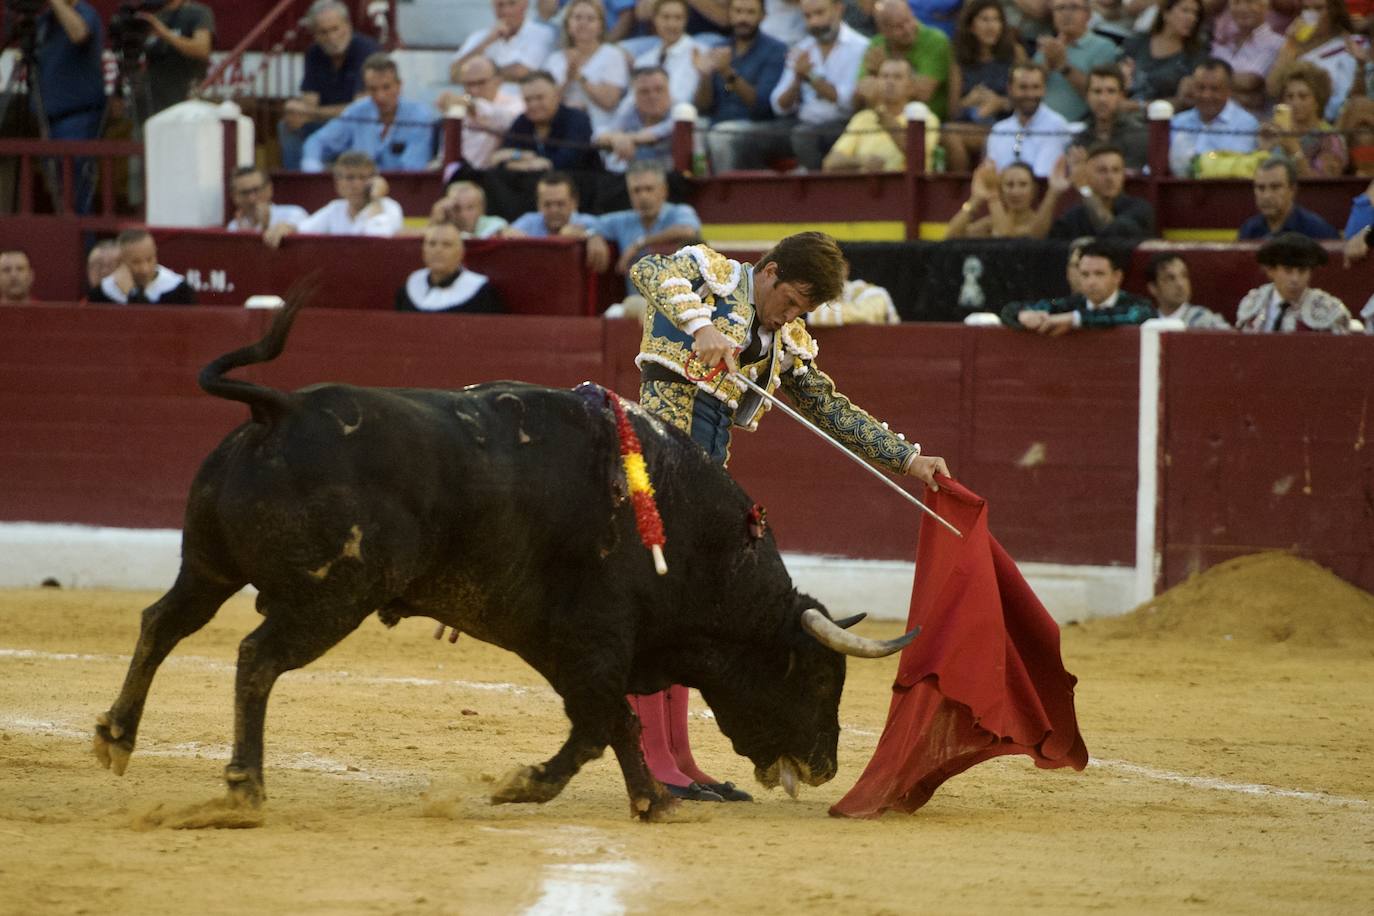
[984, 678]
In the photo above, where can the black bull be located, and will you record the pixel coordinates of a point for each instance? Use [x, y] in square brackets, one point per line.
[500, 511]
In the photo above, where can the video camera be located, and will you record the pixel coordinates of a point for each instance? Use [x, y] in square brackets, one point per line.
[22, 16]
[128, 33]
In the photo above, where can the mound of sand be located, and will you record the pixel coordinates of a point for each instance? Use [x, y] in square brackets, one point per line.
[1267, 597]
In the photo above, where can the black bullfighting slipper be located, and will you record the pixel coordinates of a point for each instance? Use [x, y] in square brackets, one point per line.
[728, 792]
[694, 792]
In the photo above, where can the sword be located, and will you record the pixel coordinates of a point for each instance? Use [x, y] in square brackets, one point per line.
[740, 377]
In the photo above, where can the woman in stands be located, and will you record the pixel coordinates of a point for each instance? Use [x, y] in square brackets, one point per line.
[592, 74]
[1319, 35]
[1010, 201]
[1163, 59]
[1309, 141]
[979, 77]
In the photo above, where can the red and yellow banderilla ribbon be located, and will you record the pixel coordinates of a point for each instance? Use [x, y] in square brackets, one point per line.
[641, 490]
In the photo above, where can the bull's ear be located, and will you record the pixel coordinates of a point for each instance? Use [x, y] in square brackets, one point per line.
[845, 623]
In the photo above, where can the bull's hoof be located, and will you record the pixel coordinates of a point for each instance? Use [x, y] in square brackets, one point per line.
[245, 789]
[111, 745]
[653, 808]
[525, 784]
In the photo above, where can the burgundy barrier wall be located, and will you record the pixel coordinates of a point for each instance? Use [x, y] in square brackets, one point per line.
[104, 424]
[534, 276]
[1268, 442]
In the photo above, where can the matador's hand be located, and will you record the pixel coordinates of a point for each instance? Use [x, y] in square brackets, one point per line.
[925, 467]
[711, 346]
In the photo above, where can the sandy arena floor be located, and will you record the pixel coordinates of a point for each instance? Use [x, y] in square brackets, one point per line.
[1228, 777]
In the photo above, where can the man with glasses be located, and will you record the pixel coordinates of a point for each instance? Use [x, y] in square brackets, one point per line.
[489, 110]
[254, 211]
[1033, 134]
[333, 78]
[1070, 55]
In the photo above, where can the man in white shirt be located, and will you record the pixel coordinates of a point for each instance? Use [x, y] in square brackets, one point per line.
[254, 211]
[489, 109]
[518, 46]
[1215, 123]
[362, 207]
[1034, 133]
[675, 51]
[818, 84]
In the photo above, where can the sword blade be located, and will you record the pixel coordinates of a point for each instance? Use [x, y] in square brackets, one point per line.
[785, 408]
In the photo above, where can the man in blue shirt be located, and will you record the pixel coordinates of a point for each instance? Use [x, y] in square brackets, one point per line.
[557, 215]
[643, 127]
[70, 80]
[333, 78]
[397, 133]
[734, 90]
[1215, 123]
[1276, 189]
[652, 221]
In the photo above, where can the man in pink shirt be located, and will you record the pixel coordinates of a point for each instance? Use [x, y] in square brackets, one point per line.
[1246, 41]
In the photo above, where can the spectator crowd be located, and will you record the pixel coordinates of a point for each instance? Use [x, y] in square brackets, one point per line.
[568, 109]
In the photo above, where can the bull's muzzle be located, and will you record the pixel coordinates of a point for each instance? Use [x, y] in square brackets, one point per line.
[790, 773]
[829, 633]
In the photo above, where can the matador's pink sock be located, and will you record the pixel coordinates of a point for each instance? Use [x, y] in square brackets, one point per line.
[678, 740]
[652, 711]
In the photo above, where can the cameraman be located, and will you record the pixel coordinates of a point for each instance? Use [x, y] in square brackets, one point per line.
[178, 51]
[69, 75]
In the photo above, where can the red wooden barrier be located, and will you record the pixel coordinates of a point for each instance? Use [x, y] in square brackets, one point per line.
[104, 424]
[534, 276]
[1268, 442]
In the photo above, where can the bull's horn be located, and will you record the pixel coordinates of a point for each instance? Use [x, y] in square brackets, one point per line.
[845, 623]
[829, 633]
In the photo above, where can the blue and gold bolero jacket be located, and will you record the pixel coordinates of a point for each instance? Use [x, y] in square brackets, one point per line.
[697, 286]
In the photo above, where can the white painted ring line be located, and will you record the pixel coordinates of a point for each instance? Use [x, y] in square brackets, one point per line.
[325, 765]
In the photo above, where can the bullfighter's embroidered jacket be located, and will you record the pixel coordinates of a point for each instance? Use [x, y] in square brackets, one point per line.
[698, 286]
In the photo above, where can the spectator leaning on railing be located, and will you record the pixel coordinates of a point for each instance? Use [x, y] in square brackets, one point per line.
[251, 191]
[652, 219]
[362, 207]
[333, 78]
[557, 214]
[643, 128]
[178, 54]
[1215, 123]
[395, 133]
[549, 135]
[1099, 303]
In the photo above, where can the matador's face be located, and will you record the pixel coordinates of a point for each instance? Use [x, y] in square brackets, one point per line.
[778, 301]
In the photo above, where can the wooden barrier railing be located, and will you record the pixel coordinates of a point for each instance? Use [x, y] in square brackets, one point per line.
[63, 161]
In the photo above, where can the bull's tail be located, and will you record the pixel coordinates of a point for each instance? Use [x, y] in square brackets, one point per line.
[266, 403]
